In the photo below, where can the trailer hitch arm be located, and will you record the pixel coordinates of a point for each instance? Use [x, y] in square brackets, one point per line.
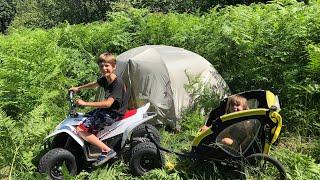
[150, 135]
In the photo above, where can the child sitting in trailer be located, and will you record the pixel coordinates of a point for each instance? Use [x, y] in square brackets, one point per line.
[235, 103]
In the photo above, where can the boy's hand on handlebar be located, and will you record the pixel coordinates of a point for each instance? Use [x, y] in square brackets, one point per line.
[80, 102]
[74, 89]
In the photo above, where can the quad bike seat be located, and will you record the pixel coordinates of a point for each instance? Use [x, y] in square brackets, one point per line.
[128, 114]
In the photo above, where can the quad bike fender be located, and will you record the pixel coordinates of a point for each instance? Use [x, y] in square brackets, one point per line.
[70, 130]
[127, 133]
[126, 126]
[121, 126]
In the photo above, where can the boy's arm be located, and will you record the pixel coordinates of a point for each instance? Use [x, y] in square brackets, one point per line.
[85, 86]
[103, 104]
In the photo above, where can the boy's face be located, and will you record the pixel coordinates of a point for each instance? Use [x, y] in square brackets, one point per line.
[106, 69]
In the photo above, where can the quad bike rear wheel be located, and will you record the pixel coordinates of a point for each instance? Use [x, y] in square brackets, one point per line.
[53, 162]
[262, 166]
[140, 131]
[135, 141]
[145, 157]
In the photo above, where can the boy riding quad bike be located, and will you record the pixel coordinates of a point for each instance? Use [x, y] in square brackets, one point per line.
[94, 130]
[128, 137]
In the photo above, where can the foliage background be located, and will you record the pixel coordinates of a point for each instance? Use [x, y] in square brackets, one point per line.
[7, 12]
[271, 46]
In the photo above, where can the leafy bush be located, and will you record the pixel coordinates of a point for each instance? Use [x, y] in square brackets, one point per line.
[49, 13]
[298, 166]
[314, 55]
[35, 70]
[7, 12]
[19, 142]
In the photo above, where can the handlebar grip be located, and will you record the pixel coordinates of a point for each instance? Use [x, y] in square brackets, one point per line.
[70, 94]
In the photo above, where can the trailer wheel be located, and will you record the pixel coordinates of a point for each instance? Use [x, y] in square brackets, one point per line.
[262, 166]
[53, 162]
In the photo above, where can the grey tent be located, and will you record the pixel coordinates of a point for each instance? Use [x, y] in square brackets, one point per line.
[158, 74]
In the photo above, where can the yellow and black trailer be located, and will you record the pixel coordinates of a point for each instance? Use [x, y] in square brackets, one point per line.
[243, 135]
[254, 130]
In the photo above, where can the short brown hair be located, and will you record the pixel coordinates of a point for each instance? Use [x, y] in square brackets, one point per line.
[107, 58]
[234, 100]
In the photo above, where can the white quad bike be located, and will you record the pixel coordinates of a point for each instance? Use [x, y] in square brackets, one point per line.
[130, 137]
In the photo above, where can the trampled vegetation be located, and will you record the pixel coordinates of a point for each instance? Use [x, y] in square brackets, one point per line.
[274, 46]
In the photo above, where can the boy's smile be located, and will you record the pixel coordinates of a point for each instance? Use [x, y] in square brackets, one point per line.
[106, 69]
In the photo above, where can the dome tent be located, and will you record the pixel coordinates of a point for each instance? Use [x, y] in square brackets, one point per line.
[158, 74]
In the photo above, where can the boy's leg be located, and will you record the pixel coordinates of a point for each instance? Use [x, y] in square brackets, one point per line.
[92, 139]
[107, 153]
[85, 130]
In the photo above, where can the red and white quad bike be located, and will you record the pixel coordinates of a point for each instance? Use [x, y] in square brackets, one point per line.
[67, 153]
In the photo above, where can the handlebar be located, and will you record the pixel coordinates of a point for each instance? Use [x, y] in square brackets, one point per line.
[70, 95]
[73, 107]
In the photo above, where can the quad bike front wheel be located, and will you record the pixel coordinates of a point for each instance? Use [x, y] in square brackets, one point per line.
[53, 162]
[145, 157]
[262, 166]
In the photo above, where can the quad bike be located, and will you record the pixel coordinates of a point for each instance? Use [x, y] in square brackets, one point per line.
[67, 154]
[253, 132]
